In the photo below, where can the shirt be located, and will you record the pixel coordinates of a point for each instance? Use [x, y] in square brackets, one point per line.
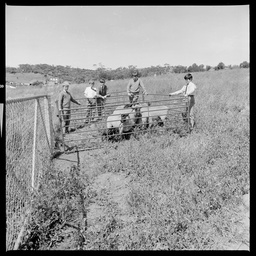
[186, 90]
[65, 99]
[103, 90]
[90, 92]
[135, 86]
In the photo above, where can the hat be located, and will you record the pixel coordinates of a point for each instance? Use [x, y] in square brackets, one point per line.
[102, 80]
[65, 83]
[91, 82]
[135, 73]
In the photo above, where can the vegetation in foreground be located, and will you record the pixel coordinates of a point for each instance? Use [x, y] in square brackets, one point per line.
[182, 193]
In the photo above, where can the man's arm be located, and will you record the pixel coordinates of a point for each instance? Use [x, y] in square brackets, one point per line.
[178, 92]
[73, 100]
[143, 87]
[128, 87]
[107, 94]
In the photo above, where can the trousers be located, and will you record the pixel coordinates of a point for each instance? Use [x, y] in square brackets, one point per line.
[133, 98]
[66, 118]
[190, 110]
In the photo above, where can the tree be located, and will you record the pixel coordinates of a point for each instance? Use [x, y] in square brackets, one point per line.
[11, 70]
[244, 64]
[180, 69]
[201, 67]
[221, 65]
[207, 68]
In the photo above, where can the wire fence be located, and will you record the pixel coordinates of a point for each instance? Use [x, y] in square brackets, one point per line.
[28, 151]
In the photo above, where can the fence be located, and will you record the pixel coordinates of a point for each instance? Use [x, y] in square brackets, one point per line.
[88, 135]
[29, 144]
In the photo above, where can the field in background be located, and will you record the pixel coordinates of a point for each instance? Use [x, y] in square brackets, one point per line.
[23, 77]
[180, 193]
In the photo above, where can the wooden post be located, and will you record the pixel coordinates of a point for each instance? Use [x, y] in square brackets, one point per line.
[44, 125]
[61, 130]
[34, 146]
[48, 121]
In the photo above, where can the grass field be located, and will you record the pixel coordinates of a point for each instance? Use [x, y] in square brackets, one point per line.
[23, 77]
[179, 194]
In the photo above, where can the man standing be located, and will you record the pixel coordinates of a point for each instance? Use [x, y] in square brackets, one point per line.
[133, 88]
[65, 99]
[103, 91]
[188, 90]
[91, 94]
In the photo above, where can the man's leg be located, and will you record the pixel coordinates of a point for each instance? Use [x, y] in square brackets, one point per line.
[192, 117]
[136, 98]
[131, 98]
[191, 112]
[99, 108]
[66, 118]
[88, 112]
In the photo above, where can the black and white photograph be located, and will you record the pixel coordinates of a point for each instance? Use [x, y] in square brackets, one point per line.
[127, 127]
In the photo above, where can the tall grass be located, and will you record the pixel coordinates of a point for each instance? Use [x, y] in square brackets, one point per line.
[183, 192]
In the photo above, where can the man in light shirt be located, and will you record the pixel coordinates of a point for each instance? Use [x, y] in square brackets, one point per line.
[91, 94]
[188, 90]
[133, 88]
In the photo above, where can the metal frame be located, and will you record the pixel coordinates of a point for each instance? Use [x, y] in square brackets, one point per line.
[91, 135]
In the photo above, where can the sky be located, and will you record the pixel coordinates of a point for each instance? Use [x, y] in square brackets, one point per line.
[119, 36]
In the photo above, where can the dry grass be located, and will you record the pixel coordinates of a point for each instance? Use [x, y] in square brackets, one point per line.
[183, 192]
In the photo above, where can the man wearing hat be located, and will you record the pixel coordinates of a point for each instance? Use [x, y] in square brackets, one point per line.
[65, 99]
[103, 91]
[133, 88]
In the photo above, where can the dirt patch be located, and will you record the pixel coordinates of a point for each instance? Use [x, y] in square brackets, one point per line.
[115, 188]
[110, 188]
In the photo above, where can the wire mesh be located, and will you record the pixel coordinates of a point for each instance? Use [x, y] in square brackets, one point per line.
[20, 124]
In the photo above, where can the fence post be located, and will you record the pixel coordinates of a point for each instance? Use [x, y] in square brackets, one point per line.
[60, 122]
[34, 146]
[48, 121]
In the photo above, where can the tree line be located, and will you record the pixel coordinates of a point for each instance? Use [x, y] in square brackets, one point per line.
[78, 75]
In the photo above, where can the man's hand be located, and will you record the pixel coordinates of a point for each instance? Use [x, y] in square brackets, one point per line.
[129, 94]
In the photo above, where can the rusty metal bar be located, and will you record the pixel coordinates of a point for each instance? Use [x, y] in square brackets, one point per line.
[27, 98]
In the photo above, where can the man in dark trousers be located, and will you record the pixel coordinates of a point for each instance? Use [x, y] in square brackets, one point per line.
[65, 99]
[133, 88]
[103, 91]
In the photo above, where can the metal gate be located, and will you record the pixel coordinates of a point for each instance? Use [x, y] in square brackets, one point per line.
[86, 136]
